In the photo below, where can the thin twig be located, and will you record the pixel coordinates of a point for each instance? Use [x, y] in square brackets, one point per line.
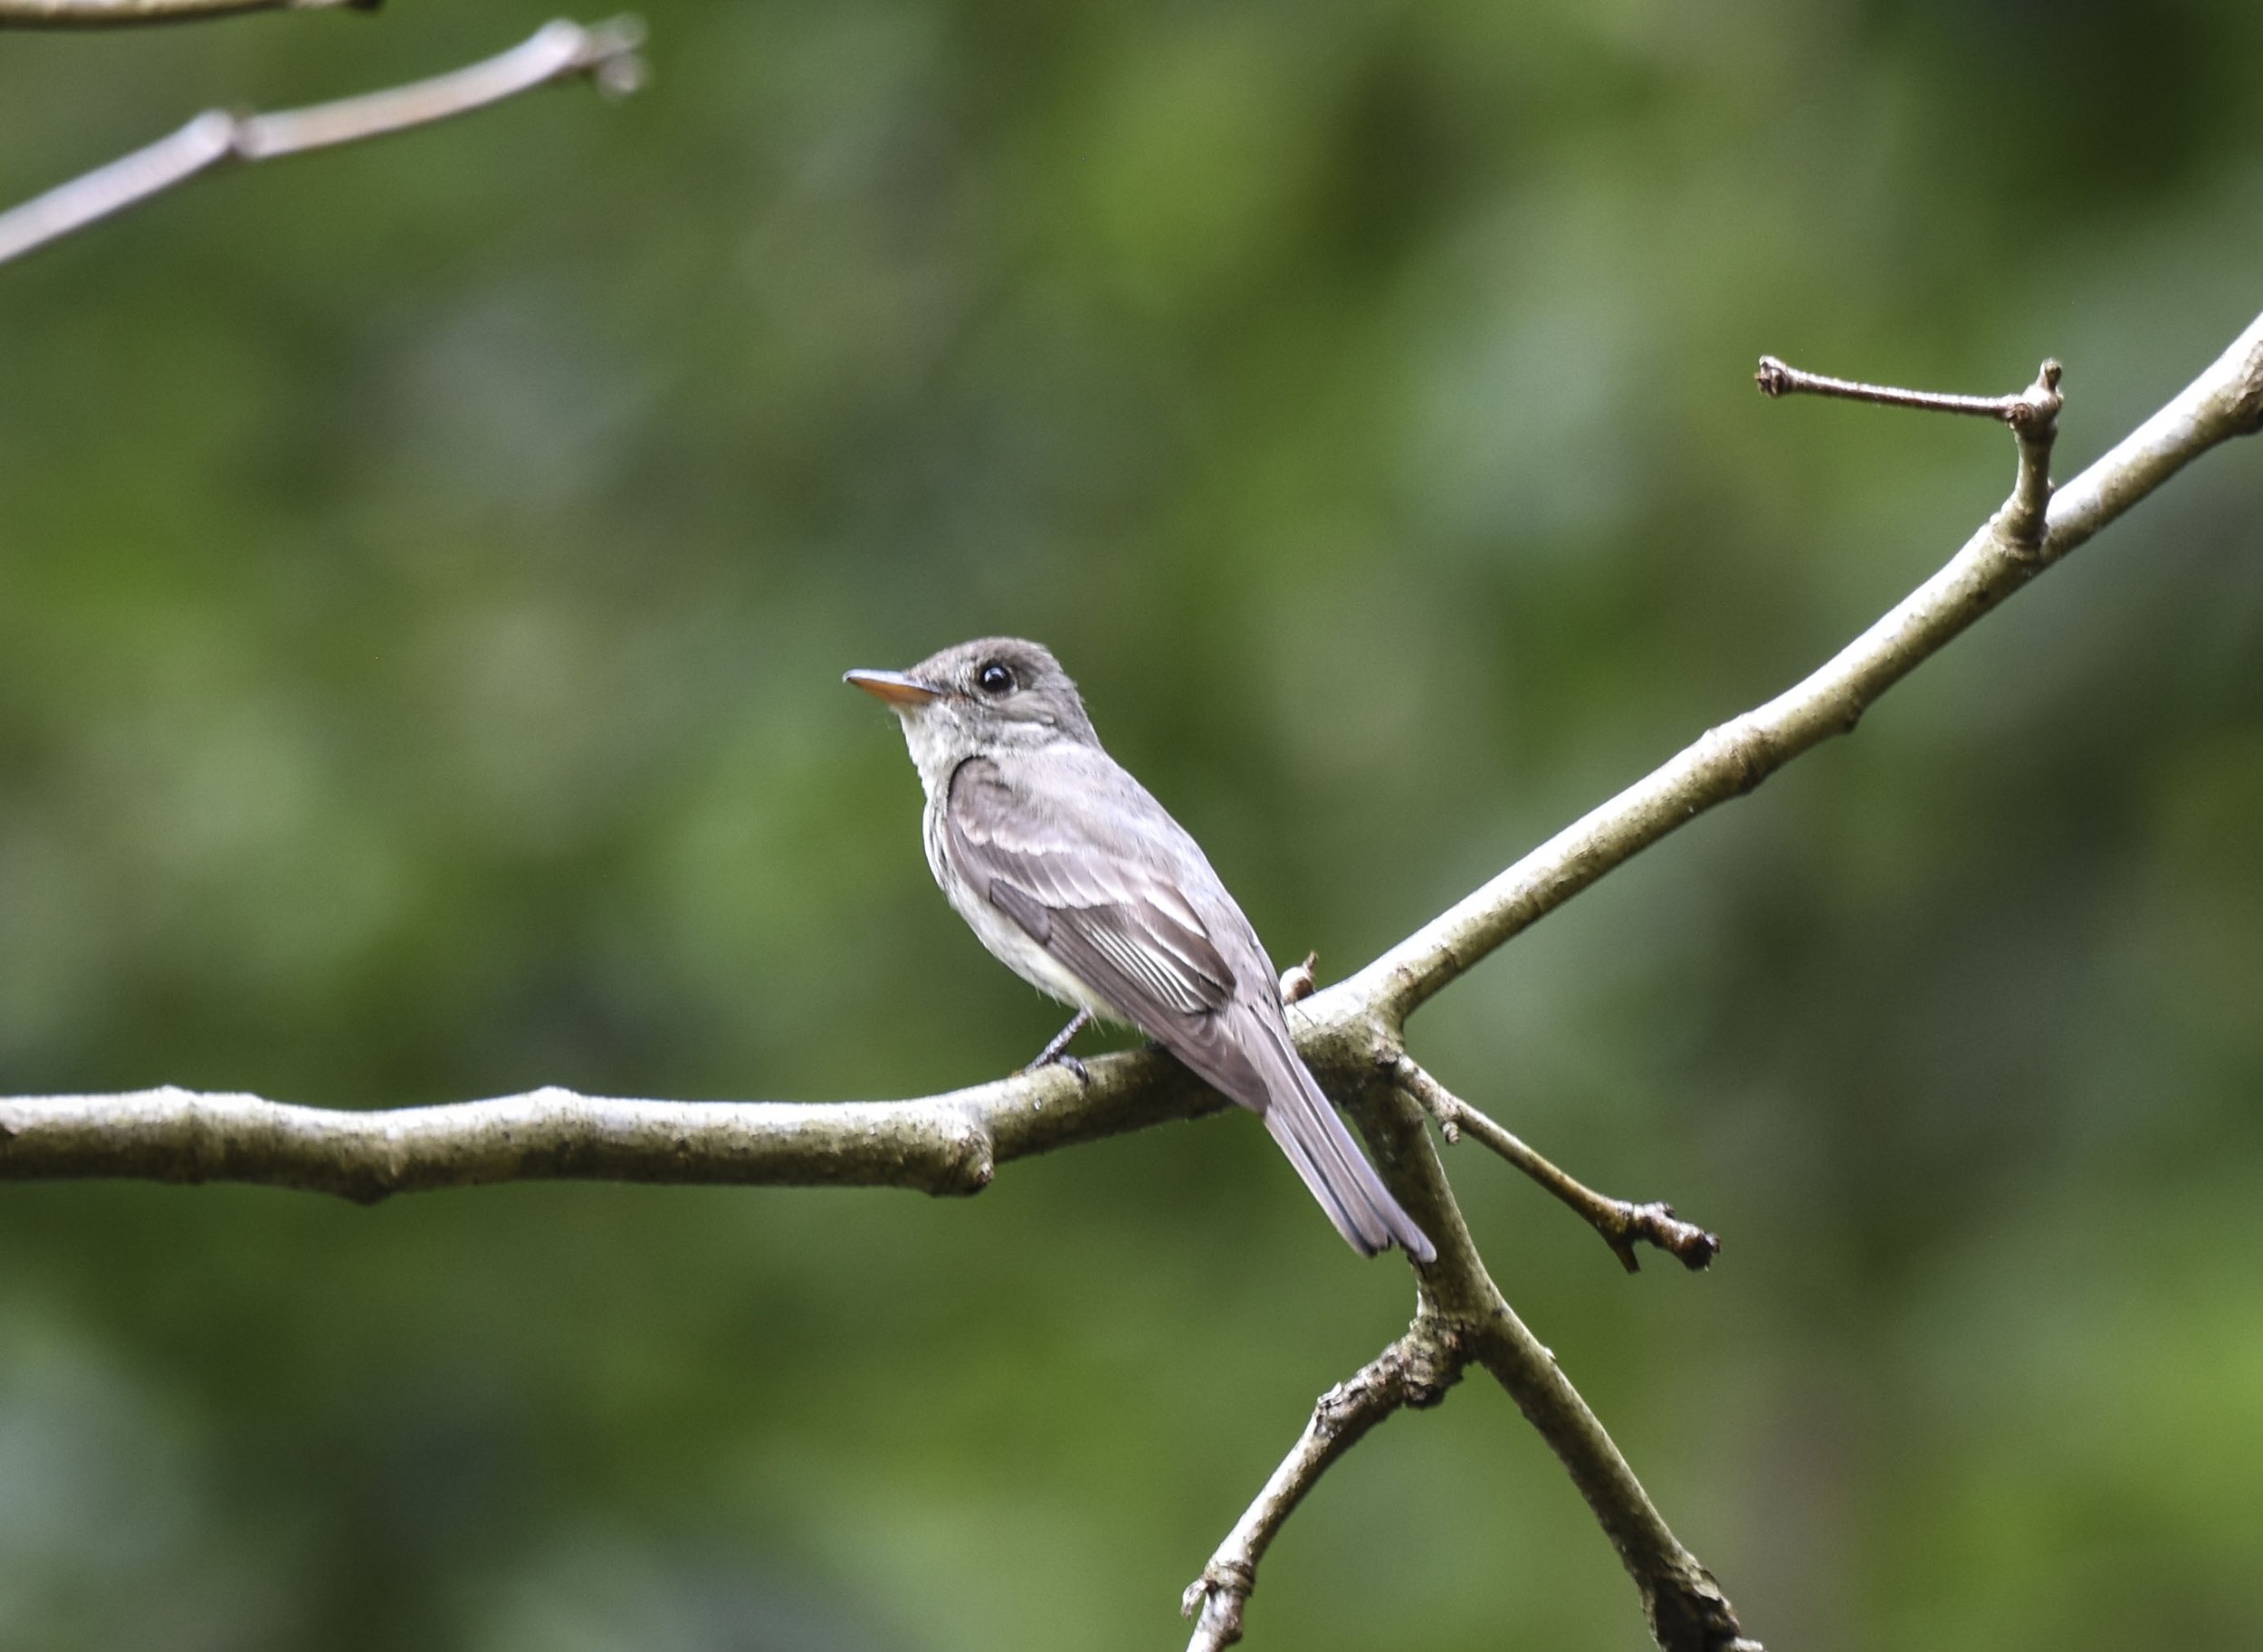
[604, 53]
[2032, 414]
[1622, 1225]
[123, 14]
[1416, 1370]
[2225, 401]
[1777, 377]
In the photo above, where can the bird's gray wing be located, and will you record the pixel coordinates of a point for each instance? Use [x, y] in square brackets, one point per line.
[1088, 877]
[1072, 880]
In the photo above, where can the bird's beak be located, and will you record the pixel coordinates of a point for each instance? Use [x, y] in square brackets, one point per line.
[893, 686]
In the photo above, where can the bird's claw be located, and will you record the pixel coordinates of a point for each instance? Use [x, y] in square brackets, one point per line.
[1069, 1064]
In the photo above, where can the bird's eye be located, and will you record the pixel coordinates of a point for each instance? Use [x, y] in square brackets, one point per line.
[994, 677]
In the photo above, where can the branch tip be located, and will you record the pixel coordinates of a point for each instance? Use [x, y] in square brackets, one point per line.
[2036, 408]
[1656, 1224]
[1621, 1223]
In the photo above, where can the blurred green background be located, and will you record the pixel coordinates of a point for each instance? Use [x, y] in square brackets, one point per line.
[425, 573]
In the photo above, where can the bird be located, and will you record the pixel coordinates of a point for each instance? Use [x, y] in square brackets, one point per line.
[1076, 878]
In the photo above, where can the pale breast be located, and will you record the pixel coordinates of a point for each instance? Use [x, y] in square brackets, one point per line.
[1005, 940]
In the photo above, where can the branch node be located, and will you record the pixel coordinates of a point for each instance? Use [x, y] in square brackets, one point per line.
[1774, 379]
[970, 1160]
[1745, 747]
[1219, 1577]
[1430, 1363]
[1219, 1595]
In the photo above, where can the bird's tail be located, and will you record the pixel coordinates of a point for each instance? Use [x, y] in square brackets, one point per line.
[1329, 1162]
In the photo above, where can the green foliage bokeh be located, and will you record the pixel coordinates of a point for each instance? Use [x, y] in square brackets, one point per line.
[425, 573]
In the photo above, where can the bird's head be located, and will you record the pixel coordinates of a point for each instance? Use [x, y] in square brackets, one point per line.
[995, 694]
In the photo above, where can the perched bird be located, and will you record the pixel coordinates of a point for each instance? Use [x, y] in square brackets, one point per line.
[1080, 882]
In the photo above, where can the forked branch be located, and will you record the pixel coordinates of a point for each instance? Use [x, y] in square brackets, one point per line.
[604, 53]
[1352, 1033]
[1415, 1371]
[2034, 528]
[1621, 1224]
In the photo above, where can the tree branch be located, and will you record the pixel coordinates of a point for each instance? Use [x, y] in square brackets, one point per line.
[1622, 1225]
[2034, 528]
[944, 1144]
[1352, 1033]
[1776, 378]
[118, 13]
[604, 53]
[1687, 1609]
[1415, 1371]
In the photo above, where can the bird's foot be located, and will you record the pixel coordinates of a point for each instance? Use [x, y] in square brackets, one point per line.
[1062, 1059]
[1055, 1053]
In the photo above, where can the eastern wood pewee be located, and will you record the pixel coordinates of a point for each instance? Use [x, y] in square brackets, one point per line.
[1079, 881]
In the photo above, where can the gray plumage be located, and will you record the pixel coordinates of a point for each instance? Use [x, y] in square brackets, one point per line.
[1076, 878]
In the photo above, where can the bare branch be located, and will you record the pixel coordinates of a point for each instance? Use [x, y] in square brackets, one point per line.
[944, 1144]
[604, 53]
[2225, 401]
[1349, 1033]
[1622, 1225]
[1686, 1608]
[121, 13]
[1778, 378]
[1415, 1371]
[1464, 1318]
[2032, 414]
